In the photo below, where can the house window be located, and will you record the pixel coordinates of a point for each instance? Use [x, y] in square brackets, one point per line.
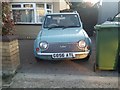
[16, 6]
[28, 5]
[30, 13]
[40, 12]
[49, 8]
[26, 15]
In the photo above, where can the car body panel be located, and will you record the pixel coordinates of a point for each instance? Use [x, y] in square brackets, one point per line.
[62, 35]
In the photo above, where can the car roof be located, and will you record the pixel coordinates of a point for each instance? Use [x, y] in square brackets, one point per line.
[62, 13]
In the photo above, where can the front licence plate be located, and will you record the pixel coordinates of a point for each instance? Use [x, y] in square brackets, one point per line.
[62, 55]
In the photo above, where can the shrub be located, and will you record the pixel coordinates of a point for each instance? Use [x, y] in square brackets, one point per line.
[8, 26]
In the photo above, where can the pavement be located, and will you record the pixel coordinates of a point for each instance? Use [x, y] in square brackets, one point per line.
[60, 74]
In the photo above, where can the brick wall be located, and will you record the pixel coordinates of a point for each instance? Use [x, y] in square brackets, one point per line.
[10, 56]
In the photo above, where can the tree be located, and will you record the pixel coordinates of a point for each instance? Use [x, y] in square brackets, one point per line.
[88, 13]
[76, 5]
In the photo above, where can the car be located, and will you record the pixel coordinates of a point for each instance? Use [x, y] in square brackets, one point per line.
[117, 18]
[62, 37]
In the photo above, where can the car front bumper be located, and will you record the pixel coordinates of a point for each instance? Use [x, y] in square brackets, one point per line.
[76, 55]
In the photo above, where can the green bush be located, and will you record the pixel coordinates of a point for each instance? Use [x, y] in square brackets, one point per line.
[8, 26]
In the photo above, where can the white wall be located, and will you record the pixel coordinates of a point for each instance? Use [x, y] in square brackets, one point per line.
[63, 5]
[34, 0]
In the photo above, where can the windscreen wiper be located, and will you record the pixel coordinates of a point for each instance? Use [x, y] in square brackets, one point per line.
[63, 27]
[69, 26]
[56, 27]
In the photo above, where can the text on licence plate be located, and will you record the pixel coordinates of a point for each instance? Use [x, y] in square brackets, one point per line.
[62, 55]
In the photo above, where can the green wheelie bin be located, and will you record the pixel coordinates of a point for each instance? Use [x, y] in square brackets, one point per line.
[119, 50]
[107, 42]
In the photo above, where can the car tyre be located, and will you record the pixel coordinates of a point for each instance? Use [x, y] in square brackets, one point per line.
[94, 67]
[37, 59]
[87, 58]
[82, 60]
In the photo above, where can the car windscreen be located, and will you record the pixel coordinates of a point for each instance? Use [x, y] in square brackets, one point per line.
[64, 20]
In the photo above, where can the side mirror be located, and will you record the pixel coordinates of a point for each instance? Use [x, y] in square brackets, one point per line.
[81, 24]
[110, 19]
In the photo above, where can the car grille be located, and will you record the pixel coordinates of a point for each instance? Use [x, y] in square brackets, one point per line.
[62, 47]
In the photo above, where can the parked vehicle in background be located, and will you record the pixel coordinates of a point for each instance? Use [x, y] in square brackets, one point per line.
[117, 18]
[62, 37]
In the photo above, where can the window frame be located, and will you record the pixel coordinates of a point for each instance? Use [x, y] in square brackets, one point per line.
[49, 9]
[34, 8]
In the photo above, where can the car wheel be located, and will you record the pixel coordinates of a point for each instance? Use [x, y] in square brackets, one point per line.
[87, 58]
[37, 59]
[82, 60]
[94, 67]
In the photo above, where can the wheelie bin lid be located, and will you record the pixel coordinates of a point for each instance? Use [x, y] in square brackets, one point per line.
[107, 24]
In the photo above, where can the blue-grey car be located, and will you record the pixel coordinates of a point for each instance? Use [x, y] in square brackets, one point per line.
[62, 37]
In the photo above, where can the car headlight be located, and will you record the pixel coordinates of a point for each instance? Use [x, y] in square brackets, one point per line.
[43, 45]
[82, 44]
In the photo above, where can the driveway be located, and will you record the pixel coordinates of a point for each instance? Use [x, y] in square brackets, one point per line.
[60, 74]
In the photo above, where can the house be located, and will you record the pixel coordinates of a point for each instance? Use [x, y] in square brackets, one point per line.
[108, 9]
[28, 14]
